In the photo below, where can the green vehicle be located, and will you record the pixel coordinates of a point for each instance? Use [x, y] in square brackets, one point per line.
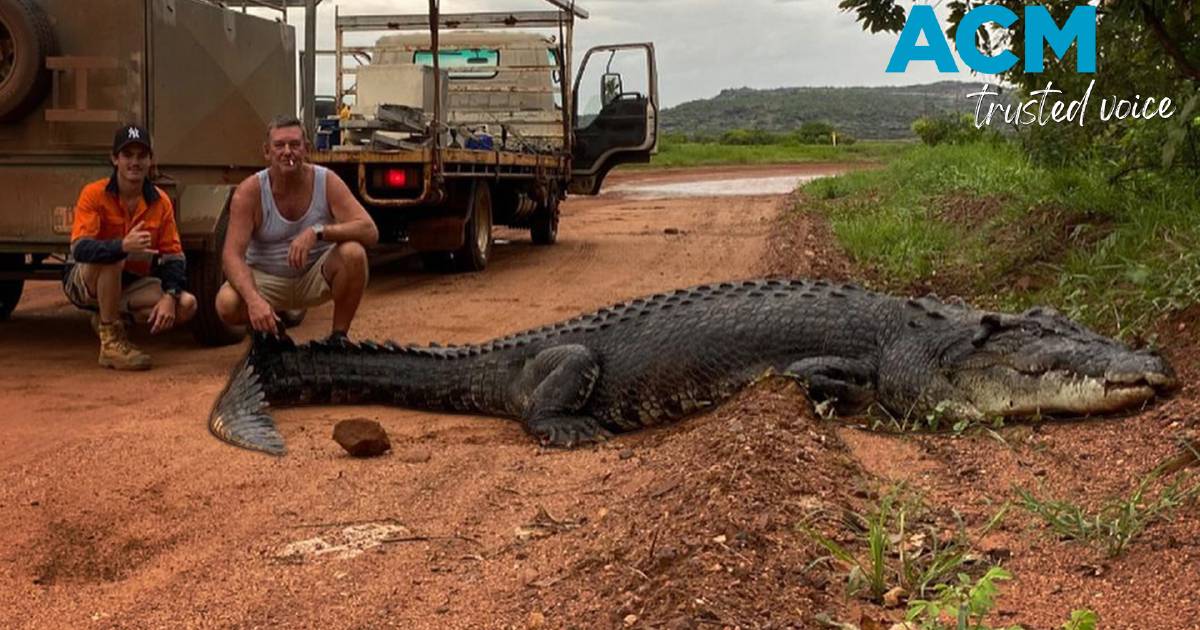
[203, 78]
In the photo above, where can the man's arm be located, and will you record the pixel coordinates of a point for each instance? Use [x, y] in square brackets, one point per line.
[242, 210]
[172, 265]
[353, 222]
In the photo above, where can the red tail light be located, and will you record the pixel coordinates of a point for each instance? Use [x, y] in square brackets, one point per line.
[395, 178]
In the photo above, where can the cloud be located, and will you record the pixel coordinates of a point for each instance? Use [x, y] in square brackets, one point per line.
[703, 46]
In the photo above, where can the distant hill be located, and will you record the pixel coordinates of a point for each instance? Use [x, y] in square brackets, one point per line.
[864, 112]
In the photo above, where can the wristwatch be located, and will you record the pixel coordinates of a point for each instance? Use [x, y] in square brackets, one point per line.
[173, 292]
[319, 230]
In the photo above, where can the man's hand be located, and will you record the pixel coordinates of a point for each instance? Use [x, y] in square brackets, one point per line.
[298, 252]
[137, 240]
[262, 316]
[162, 316]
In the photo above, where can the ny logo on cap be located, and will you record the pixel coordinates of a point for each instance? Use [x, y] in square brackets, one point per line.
[134, 133]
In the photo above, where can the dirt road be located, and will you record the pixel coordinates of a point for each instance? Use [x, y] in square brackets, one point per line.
[117, 509]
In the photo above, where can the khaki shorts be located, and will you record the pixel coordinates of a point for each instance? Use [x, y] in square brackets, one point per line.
[284, 293]
[77, 291]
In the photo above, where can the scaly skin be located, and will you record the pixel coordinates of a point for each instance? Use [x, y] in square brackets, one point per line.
[657, 359]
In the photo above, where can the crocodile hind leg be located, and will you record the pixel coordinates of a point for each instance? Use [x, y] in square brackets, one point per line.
[555, 386]
[846, 384]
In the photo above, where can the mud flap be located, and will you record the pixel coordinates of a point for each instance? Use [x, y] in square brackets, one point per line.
[203, 217]
[199, 211]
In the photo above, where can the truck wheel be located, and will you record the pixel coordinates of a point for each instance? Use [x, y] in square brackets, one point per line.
[438, 262]
[543, 226]
[10, 294]
[477, 245]
[25, 41]
[205, 278]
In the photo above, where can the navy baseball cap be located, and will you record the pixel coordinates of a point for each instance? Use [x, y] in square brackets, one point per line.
[131, 134]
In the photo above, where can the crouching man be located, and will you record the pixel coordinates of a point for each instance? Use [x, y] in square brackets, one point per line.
[121, 223]
[297, 238]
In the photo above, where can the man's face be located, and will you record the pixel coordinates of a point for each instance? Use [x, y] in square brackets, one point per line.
[133, 163]
[285, 150]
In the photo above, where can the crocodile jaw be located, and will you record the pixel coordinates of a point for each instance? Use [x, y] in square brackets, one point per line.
[1062, 393]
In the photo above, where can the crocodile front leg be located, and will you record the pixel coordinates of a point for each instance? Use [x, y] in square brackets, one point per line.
[847, 384]
[554, 386]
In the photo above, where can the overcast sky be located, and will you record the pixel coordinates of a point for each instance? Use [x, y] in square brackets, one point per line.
[703, 46]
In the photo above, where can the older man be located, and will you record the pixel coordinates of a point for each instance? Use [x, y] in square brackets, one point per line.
[121, 224]
[297, 237]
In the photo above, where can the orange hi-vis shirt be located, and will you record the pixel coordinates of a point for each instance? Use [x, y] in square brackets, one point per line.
[99, 215]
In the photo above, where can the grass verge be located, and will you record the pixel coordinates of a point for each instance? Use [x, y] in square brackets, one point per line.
[980, 220]
[1118, 521]
[683, 154]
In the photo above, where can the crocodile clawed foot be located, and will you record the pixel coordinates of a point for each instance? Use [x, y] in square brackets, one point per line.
[568, 431]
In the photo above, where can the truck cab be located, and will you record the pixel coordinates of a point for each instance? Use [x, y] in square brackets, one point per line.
[487, 130]
[512, 82]
[494, 81]
[615, 97]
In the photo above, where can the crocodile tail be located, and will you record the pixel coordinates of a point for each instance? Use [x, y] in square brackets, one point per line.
[240, 415]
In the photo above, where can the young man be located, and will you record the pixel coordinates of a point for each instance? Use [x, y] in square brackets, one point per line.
[120, 224]
[297, 237]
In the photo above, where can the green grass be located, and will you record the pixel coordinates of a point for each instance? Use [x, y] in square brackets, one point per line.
[1082, 619]
[681, 154]
[964, 605]
[1118, 521]
[936, 421]
[892, 547]
[1114, 256]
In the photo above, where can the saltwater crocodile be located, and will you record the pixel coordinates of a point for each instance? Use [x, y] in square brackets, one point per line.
[659, 358]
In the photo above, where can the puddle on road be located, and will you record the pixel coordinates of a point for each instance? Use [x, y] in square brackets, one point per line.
[776, 185]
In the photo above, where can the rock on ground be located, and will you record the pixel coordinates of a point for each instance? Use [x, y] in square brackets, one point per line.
[361, 437]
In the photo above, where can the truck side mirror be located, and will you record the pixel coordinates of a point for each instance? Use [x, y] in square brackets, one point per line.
[610, 87]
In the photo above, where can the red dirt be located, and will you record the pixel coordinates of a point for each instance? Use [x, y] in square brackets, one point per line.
[117, 509]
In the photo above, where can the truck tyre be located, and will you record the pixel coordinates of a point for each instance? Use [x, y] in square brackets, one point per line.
[10, 290]
[543, 226]
[10, 294]
[205, 278]
[26, 39]
[477, 243]
[438, 262]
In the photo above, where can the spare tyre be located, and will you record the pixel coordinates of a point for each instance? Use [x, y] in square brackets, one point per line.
[25, 41]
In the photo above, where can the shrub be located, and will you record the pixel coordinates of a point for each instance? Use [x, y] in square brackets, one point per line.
[950, 129]
[748, 137]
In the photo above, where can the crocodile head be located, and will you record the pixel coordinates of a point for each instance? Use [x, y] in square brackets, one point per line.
[1040, 362]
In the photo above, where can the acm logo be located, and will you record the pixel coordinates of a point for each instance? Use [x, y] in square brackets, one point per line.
[1040, 29]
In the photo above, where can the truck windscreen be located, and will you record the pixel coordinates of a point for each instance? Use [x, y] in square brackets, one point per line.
[466, 63]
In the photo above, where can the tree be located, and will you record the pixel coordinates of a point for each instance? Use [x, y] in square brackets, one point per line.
[1144, 47]
[1173, 28]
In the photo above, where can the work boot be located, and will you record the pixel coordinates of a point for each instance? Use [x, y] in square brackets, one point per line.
[95, 321]
[116, 352]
